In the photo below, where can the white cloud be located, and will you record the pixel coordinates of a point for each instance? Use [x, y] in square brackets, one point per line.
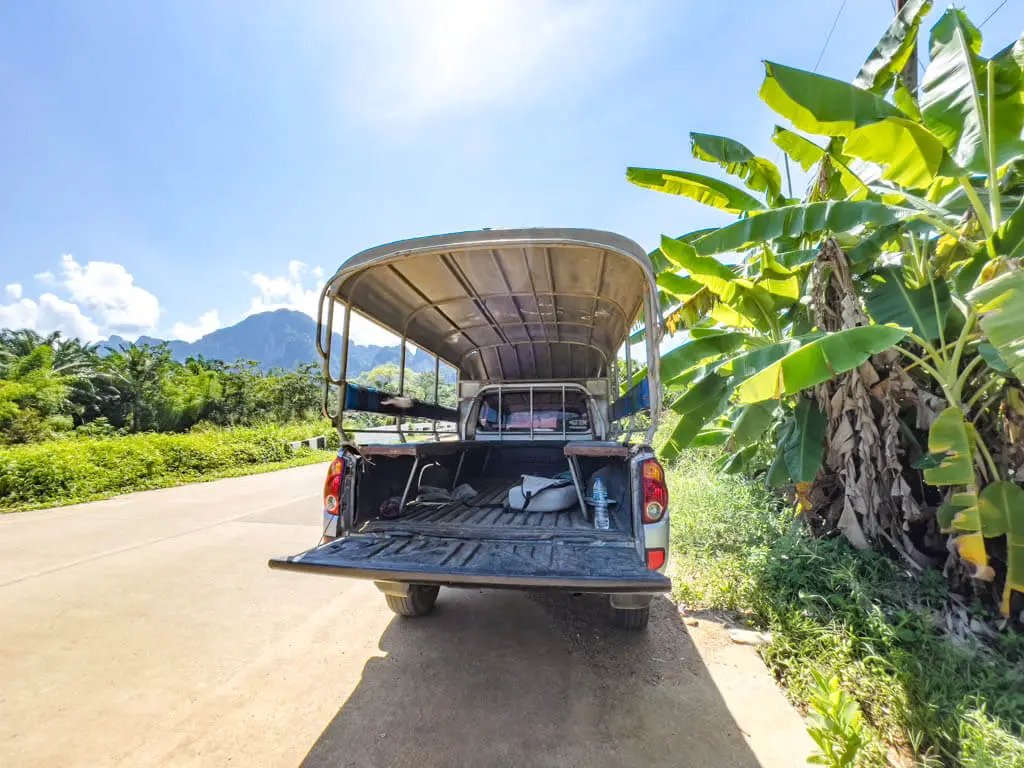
[411, 60]
[208, 322]
[290, 292]
[285, 292]
[101, 299]
[49, 313]
[108, 291]
[21, 314]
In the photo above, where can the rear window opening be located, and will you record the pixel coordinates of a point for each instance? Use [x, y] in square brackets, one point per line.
[546, 412]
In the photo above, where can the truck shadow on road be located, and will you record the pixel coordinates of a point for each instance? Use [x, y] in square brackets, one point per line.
[497, 678]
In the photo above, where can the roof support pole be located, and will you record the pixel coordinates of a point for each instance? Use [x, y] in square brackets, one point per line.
[652, 323]
[437, 383]
[343, 379]
[629, 383]
[401, 388]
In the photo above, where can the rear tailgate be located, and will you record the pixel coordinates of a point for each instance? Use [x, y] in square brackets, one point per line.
[582, 566]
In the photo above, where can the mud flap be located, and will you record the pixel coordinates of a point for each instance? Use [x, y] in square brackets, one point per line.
[581, 566]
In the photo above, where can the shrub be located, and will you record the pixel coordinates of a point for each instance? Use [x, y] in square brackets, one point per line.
[856, 616]
[82, 467]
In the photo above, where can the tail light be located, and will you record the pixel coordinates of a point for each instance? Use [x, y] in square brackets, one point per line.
[332, 486]
[655, 559]
[655, 492]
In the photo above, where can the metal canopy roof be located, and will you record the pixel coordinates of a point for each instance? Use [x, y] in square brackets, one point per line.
[514, 304]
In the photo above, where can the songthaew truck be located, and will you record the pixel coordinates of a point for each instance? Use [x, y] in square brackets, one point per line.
[539, 475]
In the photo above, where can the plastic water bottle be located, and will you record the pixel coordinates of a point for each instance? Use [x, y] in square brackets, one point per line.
[601, 521]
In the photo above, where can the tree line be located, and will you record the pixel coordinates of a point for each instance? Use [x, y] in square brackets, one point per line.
[51, 386]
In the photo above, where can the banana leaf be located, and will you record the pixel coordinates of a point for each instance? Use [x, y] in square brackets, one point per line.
[677, 361]
[950, 97]
[818, 361]
[751, 302]
[778, 280]
[801, 149]
[924, 310]
[1009, 240]
[807, 153]
[967, 273]
[1000, 302]
[701, 403]
[752, 421]
[757, 173]
[921, 204]
[661, 262]
[710, 438]
[793, 259]
[819, 104]
[907, 102]
[893, 51]
[910, 154]
[803, 446]
[869, 247]
[991, 357]
[678, 285]
[961, 515]
[696, 351]
[798, 221]
[749, 363]
[703, 189]
[737, 462]
[954, 97]
[1001, 513]
[778, 473]
[950, 440]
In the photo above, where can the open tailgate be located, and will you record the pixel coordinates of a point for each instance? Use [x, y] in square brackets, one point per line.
[582, 566]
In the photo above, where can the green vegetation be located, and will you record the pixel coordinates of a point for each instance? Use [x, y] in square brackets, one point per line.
[85, 468]
[858, 349]
[945, 698]
[78, 425]
[867, 336]
[50, 387]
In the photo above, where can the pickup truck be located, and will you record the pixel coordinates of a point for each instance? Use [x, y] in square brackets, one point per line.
[532, 321]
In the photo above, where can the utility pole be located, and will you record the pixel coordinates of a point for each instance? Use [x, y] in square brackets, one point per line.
[910, 70]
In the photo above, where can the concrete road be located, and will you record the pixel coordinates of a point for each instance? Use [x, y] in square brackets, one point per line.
[148, 630]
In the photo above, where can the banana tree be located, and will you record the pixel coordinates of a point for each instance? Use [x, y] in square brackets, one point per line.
[895, 284]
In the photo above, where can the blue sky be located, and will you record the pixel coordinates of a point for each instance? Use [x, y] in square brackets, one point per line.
[169, 168]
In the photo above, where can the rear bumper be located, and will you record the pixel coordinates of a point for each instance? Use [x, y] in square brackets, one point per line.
[493, 581]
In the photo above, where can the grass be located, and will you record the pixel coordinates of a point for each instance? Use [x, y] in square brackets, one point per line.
[81, 469]
[853, 615]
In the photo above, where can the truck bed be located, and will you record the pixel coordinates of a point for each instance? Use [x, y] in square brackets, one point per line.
[484, 516]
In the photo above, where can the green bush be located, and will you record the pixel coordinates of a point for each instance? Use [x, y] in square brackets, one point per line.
[857, 616]
[83, 467]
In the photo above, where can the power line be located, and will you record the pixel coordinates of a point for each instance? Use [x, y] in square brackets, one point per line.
[835, 22]
[997, 10]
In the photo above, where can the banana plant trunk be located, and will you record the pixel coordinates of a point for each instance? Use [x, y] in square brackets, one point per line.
[861, 490]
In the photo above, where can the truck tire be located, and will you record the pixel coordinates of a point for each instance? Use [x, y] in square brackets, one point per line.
[419, 602]
[632, 618]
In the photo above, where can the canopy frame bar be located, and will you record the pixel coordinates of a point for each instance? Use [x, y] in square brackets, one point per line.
[342, 287]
